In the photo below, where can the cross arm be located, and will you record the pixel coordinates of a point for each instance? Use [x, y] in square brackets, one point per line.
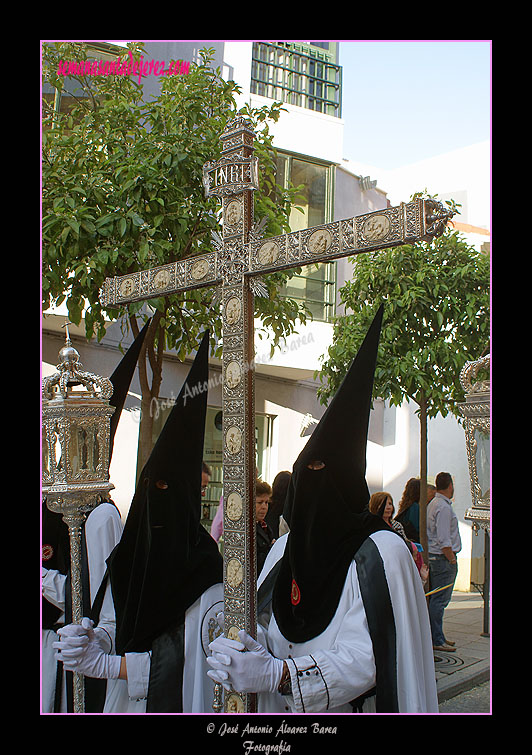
[175, 277]
[419, 220]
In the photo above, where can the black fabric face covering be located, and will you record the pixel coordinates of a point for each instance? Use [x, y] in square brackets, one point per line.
[314, 567]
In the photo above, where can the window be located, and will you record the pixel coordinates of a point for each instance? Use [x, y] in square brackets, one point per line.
[316, 288]
[213, 456]
[316, 285]
[299, 74]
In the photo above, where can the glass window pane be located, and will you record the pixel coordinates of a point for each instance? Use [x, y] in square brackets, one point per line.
[316, 285]
[313, 178]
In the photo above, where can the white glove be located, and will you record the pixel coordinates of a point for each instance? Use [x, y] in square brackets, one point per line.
[252, 671]
[80, 651]
[71, 634]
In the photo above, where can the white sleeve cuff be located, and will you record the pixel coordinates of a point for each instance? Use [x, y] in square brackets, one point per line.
[138, 675]
[309, 688]
[53, 587]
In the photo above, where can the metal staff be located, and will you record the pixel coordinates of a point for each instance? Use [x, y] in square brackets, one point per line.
[75, 464]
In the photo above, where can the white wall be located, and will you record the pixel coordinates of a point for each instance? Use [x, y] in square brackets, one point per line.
[306, 132]
[122, 470]
[465, 173]
[301, 350]
[446, 453]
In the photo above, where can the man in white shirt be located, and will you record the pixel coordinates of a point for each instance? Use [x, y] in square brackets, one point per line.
[444, 543]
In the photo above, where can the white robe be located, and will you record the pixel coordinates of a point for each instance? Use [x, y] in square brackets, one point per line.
[338, 665]
[103, 530]
[198, 689]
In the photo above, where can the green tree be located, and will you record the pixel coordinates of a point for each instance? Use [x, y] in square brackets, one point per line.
[122, 191]
[436, 318]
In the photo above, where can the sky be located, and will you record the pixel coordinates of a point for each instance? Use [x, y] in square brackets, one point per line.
[405, 101]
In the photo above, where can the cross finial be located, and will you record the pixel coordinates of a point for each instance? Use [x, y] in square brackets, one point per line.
[65, 326]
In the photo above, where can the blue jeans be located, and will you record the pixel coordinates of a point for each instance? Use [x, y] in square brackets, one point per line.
[441, 573]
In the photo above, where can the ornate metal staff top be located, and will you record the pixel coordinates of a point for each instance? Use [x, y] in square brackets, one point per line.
[75, 463]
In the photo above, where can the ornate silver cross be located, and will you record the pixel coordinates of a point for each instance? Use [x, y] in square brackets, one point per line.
[241, 257]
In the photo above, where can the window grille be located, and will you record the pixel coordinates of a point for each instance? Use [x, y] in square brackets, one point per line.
[298, 75]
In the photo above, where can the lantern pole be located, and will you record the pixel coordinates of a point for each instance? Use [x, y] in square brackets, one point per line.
[75, 467]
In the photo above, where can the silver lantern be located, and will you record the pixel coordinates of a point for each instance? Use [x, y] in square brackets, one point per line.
[476, 413]
[75, 458]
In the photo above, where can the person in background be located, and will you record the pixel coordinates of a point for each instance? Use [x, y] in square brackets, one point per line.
[408, 514]
[265, 537]
[276, 506]
[206, 475]
[444, 543]
[381, 504]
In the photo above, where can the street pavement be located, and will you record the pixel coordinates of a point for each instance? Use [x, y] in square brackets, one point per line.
[475, 700]
[469, 666]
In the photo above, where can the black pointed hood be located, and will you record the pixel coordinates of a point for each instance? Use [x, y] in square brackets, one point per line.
[166, 559]
[121, 380]
[326, 508]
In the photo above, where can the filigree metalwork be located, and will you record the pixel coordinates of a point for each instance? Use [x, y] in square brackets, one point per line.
[238, 256]
[469, 373]
[259, 287]
[232, 261]
[476, 413]
[71, 373]
[437, 217]
[75, 465]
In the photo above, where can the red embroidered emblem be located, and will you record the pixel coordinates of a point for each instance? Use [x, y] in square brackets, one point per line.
[296, 594]
[47, 552]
